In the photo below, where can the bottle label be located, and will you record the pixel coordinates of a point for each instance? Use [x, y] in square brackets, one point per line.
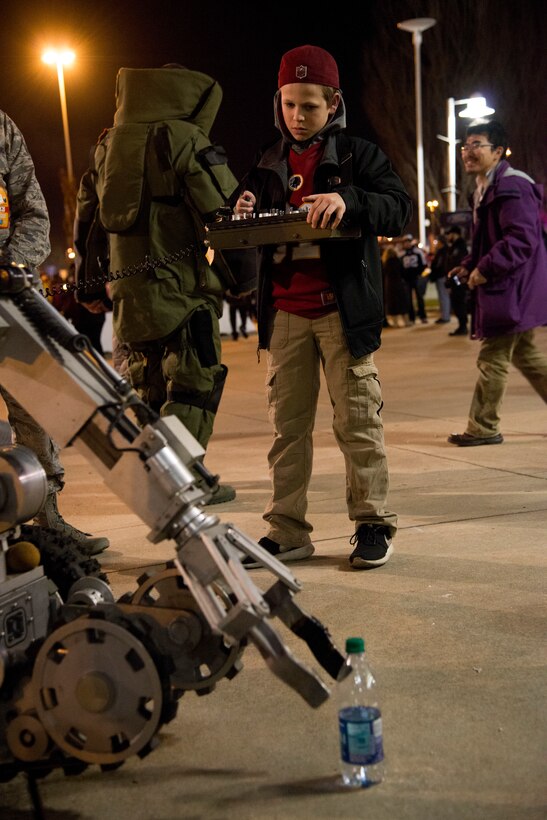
[361, 740]
[4, 208]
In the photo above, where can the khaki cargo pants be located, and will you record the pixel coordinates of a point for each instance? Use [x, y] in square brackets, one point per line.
[495, 357]
[298, 349]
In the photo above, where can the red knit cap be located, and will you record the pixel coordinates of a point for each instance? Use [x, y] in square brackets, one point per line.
[308, 64]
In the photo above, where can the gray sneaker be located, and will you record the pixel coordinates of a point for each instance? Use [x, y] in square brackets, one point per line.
[283, 555]
[50, 517]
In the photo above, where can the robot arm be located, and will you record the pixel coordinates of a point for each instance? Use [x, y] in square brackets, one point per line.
[150, 463]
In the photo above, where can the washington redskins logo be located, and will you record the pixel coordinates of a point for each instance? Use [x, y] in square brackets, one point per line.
[296, 182]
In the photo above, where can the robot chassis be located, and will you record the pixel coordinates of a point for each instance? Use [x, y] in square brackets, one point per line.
[86, 679]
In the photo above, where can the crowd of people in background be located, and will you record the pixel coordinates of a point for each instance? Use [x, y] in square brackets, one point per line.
[407, 271]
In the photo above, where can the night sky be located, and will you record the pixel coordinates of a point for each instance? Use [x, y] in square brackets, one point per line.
[232, 43]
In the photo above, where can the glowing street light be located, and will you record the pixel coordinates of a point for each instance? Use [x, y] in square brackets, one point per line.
[415, 26]
[476, 109]
[432, 205]
[61, 58]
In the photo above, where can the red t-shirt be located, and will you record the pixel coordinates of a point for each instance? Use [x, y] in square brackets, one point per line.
[300, 283]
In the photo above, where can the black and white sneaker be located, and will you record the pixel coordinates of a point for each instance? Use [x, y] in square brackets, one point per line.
[284, 555]
[372, 546]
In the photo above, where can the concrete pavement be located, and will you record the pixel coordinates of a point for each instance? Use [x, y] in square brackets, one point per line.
[454, 622]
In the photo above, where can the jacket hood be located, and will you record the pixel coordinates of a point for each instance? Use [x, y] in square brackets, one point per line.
[335, 123]
[157, 94]
[504, 174]
[505, 171]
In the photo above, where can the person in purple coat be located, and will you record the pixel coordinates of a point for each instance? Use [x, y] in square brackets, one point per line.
[506, 271]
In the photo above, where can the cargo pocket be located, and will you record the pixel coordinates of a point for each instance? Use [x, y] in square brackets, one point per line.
[364, 394]
[271, 395]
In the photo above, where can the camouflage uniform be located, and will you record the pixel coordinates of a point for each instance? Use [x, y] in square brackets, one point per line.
[25, 241]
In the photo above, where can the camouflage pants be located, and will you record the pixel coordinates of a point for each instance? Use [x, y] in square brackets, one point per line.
[181, 374]
[29, 434]
[120, 353]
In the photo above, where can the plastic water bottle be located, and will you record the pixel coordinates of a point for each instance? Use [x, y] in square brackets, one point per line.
[359, 720]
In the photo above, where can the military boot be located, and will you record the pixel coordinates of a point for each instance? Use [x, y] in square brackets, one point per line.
[50, 517]
[221, 494]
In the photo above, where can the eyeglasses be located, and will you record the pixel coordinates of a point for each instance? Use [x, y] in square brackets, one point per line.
[474, 146]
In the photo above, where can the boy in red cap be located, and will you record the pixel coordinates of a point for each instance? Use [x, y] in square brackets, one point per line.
[320, 304]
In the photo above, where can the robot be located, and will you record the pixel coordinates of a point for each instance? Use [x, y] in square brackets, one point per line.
[84, 678]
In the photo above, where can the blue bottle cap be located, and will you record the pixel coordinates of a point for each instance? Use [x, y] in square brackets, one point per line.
[354, 645]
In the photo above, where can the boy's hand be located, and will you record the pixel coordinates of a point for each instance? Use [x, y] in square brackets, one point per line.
[245, 204]
[326, 210]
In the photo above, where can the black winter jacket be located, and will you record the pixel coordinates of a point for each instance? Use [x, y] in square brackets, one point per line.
[376, 202]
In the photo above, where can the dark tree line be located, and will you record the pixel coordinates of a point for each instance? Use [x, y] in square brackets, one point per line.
[495, 47]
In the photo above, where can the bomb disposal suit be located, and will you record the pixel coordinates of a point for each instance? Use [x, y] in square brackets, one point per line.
[157, 178]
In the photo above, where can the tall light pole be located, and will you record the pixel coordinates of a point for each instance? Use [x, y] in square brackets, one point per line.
[476, 109]
[416, 26]
[432, 205]
[61, 58]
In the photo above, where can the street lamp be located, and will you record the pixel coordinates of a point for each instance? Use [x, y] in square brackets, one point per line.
[476, 109]
[416, 26]
[432, 205]
[61, 58]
